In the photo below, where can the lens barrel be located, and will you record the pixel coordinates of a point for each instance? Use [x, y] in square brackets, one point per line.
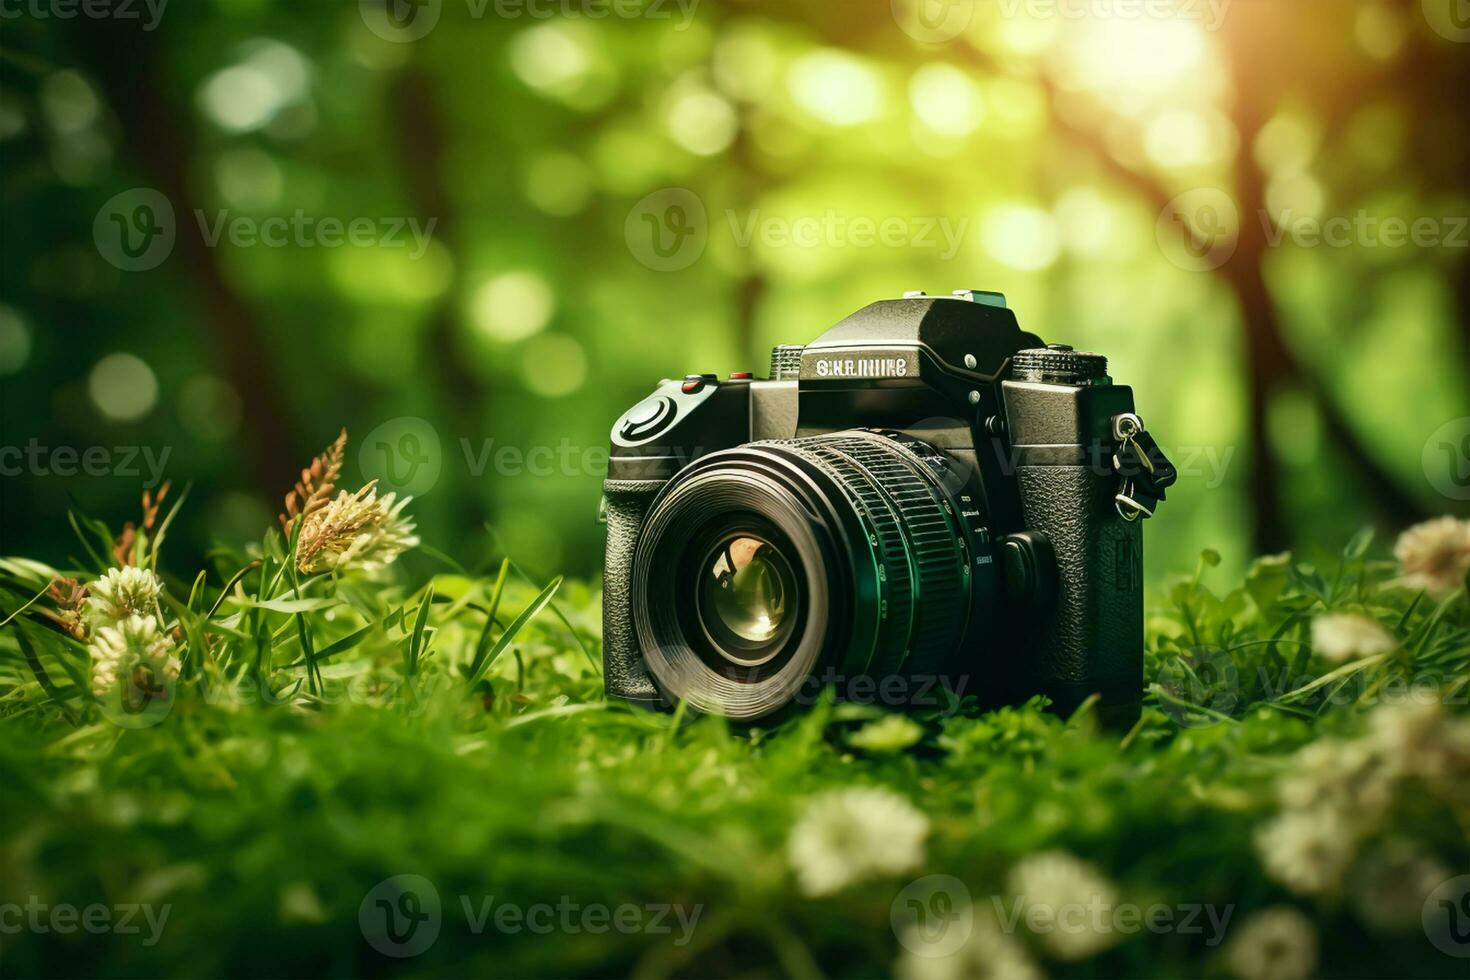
[877, 574]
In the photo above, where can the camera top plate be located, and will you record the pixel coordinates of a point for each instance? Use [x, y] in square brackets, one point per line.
[967, 336]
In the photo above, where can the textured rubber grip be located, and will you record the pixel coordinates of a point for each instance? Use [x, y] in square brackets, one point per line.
[624, 675]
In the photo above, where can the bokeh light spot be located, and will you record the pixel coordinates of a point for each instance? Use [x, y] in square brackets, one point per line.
[701, 122]
[209, 407]
[835, 87]
[554, 365]
[123, 387]
[557, 183]
[15, 341]
[69, 101]
[512, 306]
[1020, 236]
[946, 100]
[250, 178]
[1286, 144]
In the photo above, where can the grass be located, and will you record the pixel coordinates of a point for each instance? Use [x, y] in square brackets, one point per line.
[332, 730]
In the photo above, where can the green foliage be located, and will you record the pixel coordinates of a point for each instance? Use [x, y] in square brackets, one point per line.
[329, 731]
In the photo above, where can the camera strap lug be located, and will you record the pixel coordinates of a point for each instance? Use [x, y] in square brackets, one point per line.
[1144, 472]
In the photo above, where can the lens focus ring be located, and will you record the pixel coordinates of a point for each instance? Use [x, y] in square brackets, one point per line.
[927, 589]
[885, 533]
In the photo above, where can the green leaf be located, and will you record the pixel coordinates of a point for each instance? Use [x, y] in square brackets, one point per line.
[482, 646]
[283, 605]
[29, 603]
[33, 661]
[517, 624]
[93, 535]
[156, 544]
[415, 648]
[1357, 546]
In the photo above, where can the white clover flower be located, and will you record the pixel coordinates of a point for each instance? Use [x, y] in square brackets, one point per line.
[121, 593]
[359, 531]
[1340, 637]
[852, 834]
[133, 652]
[1069, 890]
[1349, 775]
[1275, 944]
[1390, 890]
[989, 954]
[1418, 737]
[1308, 851]
[1434, 556]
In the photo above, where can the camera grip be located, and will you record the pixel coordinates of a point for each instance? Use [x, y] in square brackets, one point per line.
[624, 675]
[1093, 640]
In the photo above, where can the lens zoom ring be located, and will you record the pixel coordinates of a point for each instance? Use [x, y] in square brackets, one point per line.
[933, 543]
[896, 576]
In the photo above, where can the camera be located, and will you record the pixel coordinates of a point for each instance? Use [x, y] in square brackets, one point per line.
[924, 498]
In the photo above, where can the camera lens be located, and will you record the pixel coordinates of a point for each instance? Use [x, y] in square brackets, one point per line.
[745, 592]
[765, 572]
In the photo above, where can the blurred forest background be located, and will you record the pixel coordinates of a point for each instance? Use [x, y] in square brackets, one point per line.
[674, 187]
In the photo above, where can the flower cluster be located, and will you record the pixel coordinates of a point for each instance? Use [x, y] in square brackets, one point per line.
[129, 650]
[989, 953]
[1337, 792]
[1277, 943]
[1054, 880]
[1434, 556]
[133, 652]
[1343, 636]
[355, 531]
[121, 593]
[853, 834]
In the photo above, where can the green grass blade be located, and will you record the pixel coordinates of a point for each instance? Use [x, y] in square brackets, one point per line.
[511, 631]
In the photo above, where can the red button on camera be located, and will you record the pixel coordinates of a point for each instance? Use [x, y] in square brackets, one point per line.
[741, 375]
[695, 383]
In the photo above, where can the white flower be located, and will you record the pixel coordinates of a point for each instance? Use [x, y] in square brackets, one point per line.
[989, 954]
[1308, 851]
[355, 531]
[852, 834]
[1351, 776]
[1275, 944]
[1418, 737]
[1066, 890]
[1403, 727]
[120, 593]
[1393, 884]
[133, 652]
[1434, 556]
[1340, 637]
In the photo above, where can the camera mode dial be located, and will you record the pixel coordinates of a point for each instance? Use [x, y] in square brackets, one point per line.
[1059, 364]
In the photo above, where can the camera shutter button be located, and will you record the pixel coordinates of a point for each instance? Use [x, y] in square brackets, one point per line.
[647, 418]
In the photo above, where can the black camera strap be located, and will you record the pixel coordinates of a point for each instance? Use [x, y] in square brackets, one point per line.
[1144, 472]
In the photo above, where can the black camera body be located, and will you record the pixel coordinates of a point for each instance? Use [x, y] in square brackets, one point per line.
[924, 498]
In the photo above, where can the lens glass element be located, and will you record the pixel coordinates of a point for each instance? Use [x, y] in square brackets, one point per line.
[746, 592]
